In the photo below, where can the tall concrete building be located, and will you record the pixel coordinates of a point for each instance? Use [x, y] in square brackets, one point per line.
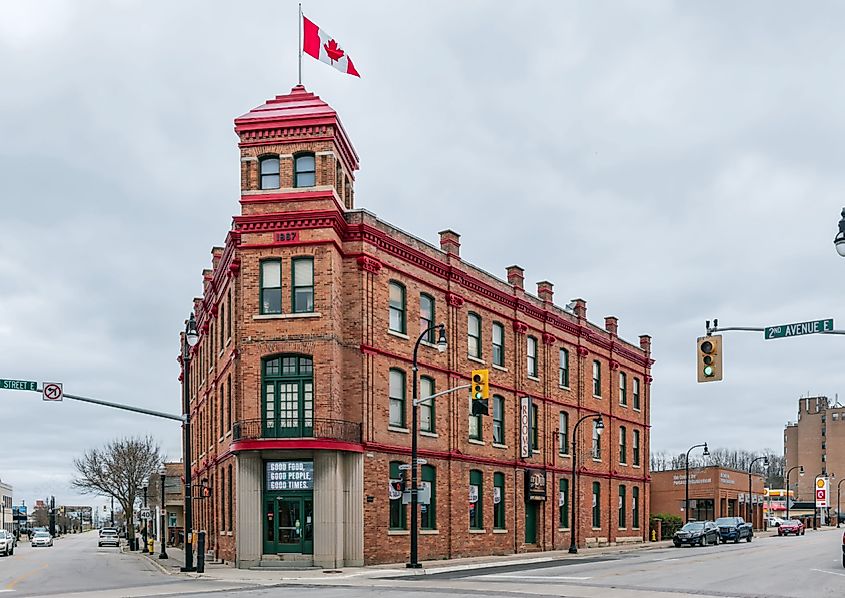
[301, 382]
[815, 440]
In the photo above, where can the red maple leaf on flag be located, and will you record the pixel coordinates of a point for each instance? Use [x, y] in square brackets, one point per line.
[333, 50]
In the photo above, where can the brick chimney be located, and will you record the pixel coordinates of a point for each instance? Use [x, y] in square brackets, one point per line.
[611, 324]
[516, 277]
[216, 254]
[450, 242]
[645, 343]
[580, 308]
[545, 290]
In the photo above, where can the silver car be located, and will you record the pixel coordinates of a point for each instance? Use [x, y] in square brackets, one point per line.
[42, 539]
[7, 543]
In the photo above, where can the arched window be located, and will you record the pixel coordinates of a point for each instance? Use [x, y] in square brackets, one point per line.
[622, 507]
[498, 344]
[269, 168]
[304, 170]
[427, 316]
[498, 419]
[427, 408]
[476, 495]
[596, 505]
[288, 396]
[623, 445]
[428, 517]
[499, 500]
[398, 511]
[532, 356]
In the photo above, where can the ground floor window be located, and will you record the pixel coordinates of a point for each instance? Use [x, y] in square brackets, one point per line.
[563, 503]
[476, 492]
[499, 500]
[428, 513]
[398, 511]
[596, 504]
[635, 507]
[622, 506]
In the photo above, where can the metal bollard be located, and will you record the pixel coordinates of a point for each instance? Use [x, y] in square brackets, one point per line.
[200, 552]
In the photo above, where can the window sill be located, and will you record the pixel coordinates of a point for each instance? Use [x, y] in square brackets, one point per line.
[625, 405]
[596, 529]
[636, 466]
[476, 359]
[501, 369]
[478, 531]
[564, 455]
[227, 434]
[623, 464]
[637, 409]
[596, 396]
[596, 460]
[476, 441]
[229, 533]
[428, 434]
[229, 341]
[500, 446]
[535, 451]
[429, 345]
[500, 531]
[310, 314]
[398, 334]
[429, 532]
[560, 386]
[398, 429]
[535, 378]
[398, 532]
[563, 529]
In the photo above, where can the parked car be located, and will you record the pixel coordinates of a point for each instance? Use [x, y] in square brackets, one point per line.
[42, 539]
[108, 537]
[791, 526]
[7, 543]
[699, 533]
[843, 549]
[734, 528]
[774, 521]
[108, 530]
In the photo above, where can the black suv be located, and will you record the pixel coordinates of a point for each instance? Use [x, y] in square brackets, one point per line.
[734, 528]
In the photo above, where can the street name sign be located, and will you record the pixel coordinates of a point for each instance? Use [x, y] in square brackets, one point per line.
[18, 385]
[800, 328]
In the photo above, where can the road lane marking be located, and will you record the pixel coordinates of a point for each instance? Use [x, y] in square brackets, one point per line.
[541, 577]
[831, 572]
[11, 585]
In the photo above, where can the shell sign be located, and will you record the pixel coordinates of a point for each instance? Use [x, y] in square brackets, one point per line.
[821, 493]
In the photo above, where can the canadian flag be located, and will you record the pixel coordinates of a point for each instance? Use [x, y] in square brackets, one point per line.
[322, 46]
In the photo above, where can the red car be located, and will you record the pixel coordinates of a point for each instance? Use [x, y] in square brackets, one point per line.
[791, 526]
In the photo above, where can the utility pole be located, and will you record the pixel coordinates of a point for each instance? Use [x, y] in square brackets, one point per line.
[53, 516]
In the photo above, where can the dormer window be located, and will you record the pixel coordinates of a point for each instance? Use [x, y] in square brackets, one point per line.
[304, 171]
[269, 173]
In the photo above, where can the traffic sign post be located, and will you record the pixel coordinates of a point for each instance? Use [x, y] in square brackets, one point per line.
[799, 329]
[145, 514]
[52, 391]
[18, 385]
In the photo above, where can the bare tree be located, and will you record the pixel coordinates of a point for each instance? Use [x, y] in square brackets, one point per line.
[120, 469]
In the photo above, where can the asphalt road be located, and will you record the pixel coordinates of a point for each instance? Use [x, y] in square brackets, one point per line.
[76, 566]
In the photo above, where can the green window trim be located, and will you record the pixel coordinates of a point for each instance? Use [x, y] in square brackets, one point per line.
[563, 433]
[304, 170]
[302, 285]
[623, 388]
[498, 419]
[563, 502]
[396, 398]
[427, 421]
[636, 447]
[270, 286]
[596, 505]
[475, 427]
[623, 445]
[635, 507]
[636, 394]
[428, 518]
[596, 378]
[398, 519]
[531, 356]
[563, 369]
[287, 396]
[474, 335]
[499, 507]
[476, 519]
[622, 506]
[535, 427]
[498, 344]
[397, 307]
[427, 317]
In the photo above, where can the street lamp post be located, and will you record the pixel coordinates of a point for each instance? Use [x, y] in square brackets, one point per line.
[144, 530]
[789, 471]
[573, 525]
[686, 481]
[189, 340]
[765, 460]
[112, 511]
[162, 527]
[414, 562]
[838, 492]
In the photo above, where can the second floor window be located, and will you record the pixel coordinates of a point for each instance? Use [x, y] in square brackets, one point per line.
[397, 398]
[563, 433]
[563, 371]
[596, 442]
[623, 388]
[269, 173]
[623, 445]
[636, 448]
[427, 317]
[304, 171]
[498, 419]
[271, 287]
[596, 378]
[427, 408]
[532, 356]
[498, 344]
[474, 335]
[397, 307]
[303, 285]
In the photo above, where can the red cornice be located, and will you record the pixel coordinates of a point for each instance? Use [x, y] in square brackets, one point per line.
[315, 444]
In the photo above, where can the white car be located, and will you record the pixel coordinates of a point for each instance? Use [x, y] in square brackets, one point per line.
[108, 537]
[7, 543]
[774, 521]
[42, 539]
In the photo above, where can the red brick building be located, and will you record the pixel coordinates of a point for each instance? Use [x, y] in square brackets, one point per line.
[300, 384]
[816, 441]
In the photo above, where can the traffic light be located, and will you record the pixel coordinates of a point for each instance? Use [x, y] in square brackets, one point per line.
[480, 392]
[709, 358]
[398, 486]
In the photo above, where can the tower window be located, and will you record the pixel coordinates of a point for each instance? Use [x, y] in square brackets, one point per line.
[269, 173]
[305, 171]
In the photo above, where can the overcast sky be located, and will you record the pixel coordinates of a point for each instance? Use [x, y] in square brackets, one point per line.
[669, 162]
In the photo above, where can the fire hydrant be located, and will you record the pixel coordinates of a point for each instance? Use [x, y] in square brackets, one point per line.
[654, 535]
[150, 545]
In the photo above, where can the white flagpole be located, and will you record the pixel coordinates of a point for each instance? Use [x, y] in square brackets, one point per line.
[299, 41]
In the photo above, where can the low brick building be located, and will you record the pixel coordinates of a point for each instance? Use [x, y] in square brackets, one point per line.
[713, 491]
[300, 385]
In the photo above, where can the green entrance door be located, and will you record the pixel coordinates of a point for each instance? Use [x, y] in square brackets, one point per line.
[531, 522]
[289, 524]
